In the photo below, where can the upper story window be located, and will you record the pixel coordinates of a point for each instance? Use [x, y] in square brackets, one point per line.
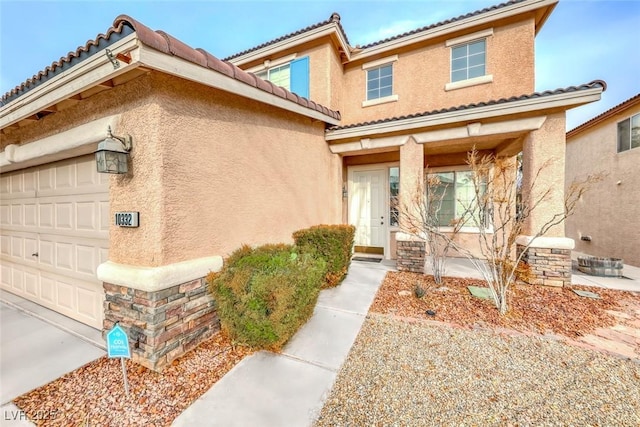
[288, 72]
[468, 60]
[379, 80]
[280, 76]
[629, 133]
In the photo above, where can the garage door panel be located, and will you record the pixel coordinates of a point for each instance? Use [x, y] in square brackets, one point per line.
[48, 291]
[30, 215]
[31, 287]
[16, 215]
[60, 211]
[45, 216]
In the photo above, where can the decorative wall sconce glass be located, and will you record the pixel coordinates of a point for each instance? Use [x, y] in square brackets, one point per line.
[112, 155]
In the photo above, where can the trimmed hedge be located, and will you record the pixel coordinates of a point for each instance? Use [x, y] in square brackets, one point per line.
[333, 243]
[265, 294]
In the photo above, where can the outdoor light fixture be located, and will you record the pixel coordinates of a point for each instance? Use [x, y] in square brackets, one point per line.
[113, 153]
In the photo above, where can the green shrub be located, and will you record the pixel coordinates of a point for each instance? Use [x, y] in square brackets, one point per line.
[333, 243]
[265, 294]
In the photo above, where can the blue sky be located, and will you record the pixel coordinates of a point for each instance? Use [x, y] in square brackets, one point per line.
[582, 40]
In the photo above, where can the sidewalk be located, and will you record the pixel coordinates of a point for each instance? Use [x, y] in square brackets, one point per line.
[269, 389]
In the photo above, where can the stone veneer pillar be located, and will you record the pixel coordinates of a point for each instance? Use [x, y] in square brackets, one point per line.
[549, 259]
[410, 253]
[162, 318]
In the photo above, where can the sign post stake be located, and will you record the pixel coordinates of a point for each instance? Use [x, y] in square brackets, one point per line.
[124, 376]
[118, 346]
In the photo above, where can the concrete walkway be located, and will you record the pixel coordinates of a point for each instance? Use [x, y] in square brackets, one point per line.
[288, 389]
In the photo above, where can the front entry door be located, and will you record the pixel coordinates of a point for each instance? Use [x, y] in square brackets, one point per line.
[367, 207]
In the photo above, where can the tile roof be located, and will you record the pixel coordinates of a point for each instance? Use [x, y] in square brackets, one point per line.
[605, 115]
[335, 17]
[590, 85]
[80, 54]
[163, 42]
[441, 23]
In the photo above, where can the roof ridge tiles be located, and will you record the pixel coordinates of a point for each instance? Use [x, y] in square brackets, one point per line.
[441, 23]
[334, 18]
[166, 43]
[514, 98]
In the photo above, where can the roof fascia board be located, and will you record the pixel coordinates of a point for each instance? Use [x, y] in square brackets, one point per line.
[564, 100]
[69, 83]
[618, 109]
[331, 28]
[463, 24]
[178, 67]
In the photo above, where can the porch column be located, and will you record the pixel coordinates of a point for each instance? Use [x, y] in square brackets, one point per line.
[410, 250]
[549, 256]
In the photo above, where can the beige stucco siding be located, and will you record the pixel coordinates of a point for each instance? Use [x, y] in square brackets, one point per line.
[237, 171]
[610, 210]
[420, 76]
[543, 160]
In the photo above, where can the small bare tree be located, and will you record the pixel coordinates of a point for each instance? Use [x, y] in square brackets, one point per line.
[421, 218]
[491, 210]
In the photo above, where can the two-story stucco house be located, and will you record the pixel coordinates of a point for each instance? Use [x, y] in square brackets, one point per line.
[606, 220]
[301, 130]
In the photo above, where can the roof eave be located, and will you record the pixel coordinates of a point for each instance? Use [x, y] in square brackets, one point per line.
[564, 101]
[595, 121]
[462, 24]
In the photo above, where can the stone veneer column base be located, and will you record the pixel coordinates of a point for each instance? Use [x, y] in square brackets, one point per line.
[548, 258]
[410, 253]
[166, 311]
[162, 325]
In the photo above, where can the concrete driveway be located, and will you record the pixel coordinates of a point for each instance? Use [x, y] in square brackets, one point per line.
[38, 346]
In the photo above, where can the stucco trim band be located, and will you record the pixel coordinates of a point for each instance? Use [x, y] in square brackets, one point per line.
[153, 279]
[73, 142]
[540, 103]
[546, 242]
[468, 131]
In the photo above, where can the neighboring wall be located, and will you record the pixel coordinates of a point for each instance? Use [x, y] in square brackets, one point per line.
[610, 211]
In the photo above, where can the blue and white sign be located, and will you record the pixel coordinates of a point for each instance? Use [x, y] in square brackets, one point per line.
[118, 343]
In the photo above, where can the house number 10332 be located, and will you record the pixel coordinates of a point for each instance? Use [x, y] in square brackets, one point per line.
[127, 219]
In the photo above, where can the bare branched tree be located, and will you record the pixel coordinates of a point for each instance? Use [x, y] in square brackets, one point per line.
[491, 211]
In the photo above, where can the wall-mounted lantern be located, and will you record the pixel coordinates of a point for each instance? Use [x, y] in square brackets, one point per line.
[112, 155]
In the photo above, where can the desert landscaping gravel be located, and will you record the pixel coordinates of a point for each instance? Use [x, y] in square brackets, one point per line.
[402, 373]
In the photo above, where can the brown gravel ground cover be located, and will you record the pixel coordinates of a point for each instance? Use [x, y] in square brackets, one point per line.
[94, 395]
[535, 309]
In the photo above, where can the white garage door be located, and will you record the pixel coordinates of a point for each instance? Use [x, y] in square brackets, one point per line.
[54, 229]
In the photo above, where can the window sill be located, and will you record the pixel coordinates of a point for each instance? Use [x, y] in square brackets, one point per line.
[370, 102]
[470, 82]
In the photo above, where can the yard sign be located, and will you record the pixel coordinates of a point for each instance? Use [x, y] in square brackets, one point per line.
[118, 346]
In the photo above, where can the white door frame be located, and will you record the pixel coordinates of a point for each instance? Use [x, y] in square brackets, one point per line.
[372, 167]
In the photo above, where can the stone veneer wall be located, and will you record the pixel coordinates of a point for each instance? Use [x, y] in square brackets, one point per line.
[549, 267]
[410, 256]
[161, 325]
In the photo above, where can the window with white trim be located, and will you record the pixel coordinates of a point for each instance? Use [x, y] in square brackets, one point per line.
[629, 133]
[456, 191]
[394, 194]
[289, 72]
[468, 60]
[380, 82]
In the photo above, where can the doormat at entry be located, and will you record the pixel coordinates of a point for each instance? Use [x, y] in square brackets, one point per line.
[366, 259]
